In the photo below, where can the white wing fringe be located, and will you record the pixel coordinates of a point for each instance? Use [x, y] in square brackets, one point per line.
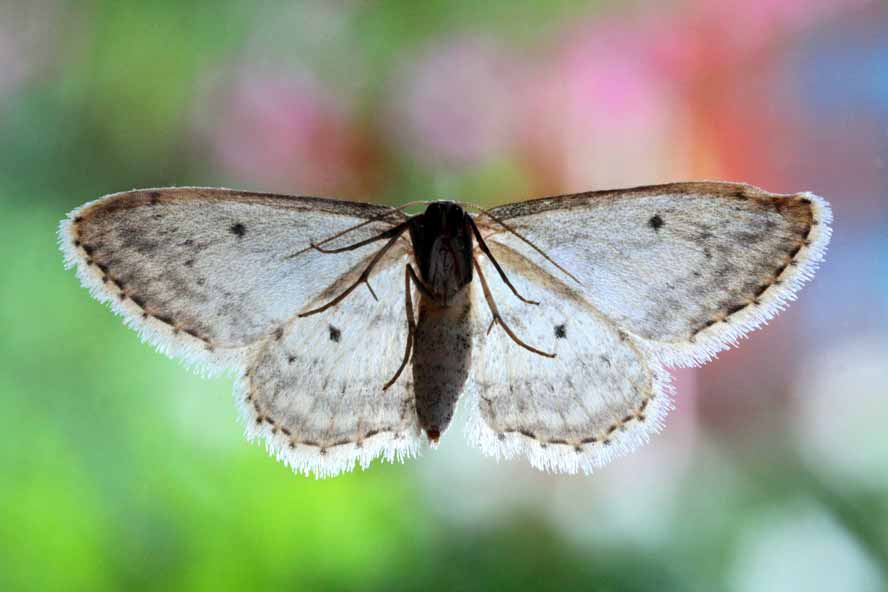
[309, 460]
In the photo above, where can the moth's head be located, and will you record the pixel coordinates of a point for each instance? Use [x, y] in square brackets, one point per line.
[448, 216]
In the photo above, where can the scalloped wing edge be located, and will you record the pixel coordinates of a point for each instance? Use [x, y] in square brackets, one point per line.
[320, 462]
[565, 458]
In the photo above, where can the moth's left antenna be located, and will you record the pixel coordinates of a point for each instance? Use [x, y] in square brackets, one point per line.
[385, 214]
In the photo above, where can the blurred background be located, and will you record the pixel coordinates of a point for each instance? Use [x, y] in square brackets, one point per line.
[120, 470]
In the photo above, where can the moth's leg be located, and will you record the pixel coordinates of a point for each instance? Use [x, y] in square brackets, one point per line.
[391, 232]
[410, 276]
[497, 319]
[362, 279]
[493, 260]
[411, 326]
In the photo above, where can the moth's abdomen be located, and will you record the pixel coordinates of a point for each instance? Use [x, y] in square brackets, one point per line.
[441, 359]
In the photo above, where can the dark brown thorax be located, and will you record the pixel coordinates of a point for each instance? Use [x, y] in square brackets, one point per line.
[442, 245]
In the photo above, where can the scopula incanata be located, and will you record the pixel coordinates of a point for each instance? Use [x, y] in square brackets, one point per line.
[355, 328]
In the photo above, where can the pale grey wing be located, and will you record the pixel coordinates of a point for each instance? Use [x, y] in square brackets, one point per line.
[600, 397]
[314, 389]
[688, 268]
[203, 273]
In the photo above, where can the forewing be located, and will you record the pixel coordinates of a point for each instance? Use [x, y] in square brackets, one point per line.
[203, 273]
[314, 389]
[687, 267]
[600, 397]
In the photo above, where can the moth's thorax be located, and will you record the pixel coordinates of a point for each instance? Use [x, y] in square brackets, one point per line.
[441, 360]
[442, 245]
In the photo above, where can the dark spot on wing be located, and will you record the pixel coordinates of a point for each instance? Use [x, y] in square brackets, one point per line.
[560, 331]
[335, 334]
[238, 230]
[656, 222]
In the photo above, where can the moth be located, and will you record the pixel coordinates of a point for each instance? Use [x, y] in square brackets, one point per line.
[355, 328]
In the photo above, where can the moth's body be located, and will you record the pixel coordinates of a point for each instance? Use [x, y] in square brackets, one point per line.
[624, 284]
[442, 350]
[442, 357]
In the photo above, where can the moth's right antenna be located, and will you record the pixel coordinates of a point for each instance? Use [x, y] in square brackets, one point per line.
[525, 240]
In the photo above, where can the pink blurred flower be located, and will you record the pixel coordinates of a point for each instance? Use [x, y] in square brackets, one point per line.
[452, 106]
[286, 132]
[601, 113]
[628, 100]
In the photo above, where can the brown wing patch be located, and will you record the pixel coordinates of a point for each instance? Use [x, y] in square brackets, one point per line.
[88, 240]
[798, 211]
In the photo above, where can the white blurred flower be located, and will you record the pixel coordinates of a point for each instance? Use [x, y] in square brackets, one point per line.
[842, 413]
[801, 548]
